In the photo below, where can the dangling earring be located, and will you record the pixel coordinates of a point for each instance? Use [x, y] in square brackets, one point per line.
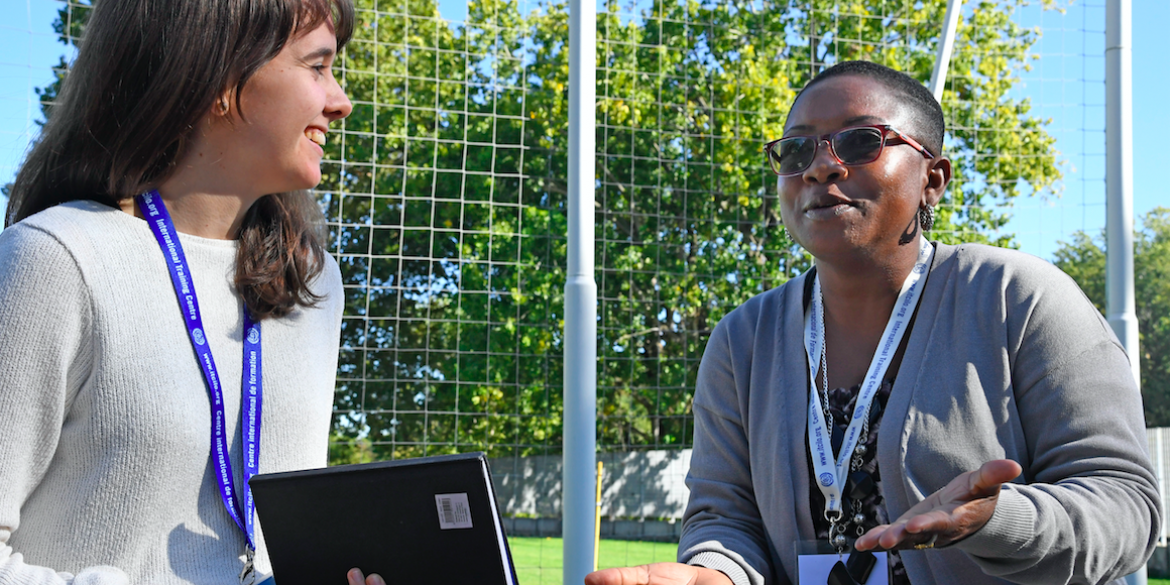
[926, 218]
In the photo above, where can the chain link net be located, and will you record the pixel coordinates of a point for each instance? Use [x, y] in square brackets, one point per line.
[445, 196]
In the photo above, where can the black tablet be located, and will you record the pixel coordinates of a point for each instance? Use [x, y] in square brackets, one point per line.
[416, 521]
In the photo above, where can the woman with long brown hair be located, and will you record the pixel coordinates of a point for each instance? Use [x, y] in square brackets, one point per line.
[124, 343]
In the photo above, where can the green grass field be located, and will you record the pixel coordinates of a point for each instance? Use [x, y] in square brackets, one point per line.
[538, 560]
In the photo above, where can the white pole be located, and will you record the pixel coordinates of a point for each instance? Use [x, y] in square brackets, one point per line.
[580, 414]
[938, 79]
[1160, 467]
[1119, 178]
[1119, 296]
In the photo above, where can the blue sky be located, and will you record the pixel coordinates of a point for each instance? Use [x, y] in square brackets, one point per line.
[1066, 85]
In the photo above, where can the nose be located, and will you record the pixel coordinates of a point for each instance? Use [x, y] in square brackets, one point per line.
[825, 166]
[337, 106]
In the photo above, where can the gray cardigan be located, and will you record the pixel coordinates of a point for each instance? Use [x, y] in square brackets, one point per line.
[1007, 359]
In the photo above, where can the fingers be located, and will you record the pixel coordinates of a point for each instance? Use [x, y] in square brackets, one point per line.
[937, 520]
[622, 576]
[658, 574]
[959, 509]
[869, 540]
[895, 536]
[883, 537]
[356, 577]
[986, 481]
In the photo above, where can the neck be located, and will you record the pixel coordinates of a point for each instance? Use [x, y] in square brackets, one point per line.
[206, 215]
[203, 199]
[863, 294]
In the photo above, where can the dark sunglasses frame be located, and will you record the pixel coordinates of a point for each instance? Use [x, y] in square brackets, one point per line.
[889, 134]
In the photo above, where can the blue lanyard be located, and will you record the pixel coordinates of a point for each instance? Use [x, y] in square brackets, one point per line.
[251, 398]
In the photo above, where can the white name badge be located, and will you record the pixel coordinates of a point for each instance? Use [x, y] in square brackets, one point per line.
[814, 569]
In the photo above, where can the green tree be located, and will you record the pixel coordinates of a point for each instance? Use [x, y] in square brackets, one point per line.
[72, 17]
[450, 244]
[1084, 260]
[446, 197]
[688, 225]
[70, 24]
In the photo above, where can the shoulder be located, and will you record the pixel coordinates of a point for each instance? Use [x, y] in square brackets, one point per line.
[41, 277]
[329, 280]
[75, 226]
[328, 284]
[987, 260]
[763, 309]
[1026, 301]
[759, 323]
[75, 214]
[42, 241]
[323, 309]
[1015, 274]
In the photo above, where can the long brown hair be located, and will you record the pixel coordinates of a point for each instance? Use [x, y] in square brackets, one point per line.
[147, 73]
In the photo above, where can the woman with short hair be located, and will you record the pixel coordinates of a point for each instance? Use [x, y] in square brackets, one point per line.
[961, 411]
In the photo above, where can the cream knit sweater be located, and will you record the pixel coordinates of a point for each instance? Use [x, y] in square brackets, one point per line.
[104, 414]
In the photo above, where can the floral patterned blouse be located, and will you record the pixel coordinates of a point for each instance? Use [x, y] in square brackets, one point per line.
[841, 403]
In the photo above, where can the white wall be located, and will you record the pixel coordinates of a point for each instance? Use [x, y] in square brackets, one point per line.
[637, 485]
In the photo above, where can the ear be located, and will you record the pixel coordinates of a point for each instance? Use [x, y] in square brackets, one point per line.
[222, 106]
[225, 103]
[938, 176]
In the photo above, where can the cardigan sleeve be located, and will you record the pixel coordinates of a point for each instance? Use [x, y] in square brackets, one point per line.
[1088, 510]
[722, 528]
[45, 318]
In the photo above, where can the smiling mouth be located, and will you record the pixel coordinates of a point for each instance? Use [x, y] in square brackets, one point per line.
[316, 136]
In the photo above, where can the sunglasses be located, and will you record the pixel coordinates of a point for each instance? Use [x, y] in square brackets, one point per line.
[856, 145]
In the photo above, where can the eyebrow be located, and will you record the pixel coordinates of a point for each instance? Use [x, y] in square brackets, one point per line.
[322, 53]
[849, 122]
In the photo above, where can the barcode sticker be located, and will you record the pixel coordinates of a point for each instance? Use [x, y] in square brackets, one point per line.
[454, 512]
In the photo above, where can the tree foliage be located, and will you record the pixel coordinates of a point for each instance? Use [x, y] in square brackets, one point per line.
[447, 195]
[687, 225]
[72, 17]
[1084, 260]
[70, 24]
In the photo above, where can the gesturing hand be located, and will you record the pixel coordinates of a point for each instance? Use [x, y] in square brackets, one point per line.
[658, 574]
[355, 577]
[951, 514]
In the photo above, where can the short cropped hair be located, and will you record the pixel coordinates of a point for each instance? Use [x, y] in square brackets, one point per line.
[927, 122]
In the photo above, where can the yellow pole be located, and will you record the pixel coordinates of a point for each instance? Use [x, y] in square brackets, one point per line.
[597, 519]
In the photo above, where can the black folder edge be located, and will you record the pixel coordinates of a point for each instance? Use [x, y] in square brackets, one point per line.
[501, 538]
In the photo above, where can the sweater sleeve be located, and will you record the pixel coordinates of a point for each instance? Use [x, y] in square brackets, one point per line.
[722, 528]
[45, 317]
[1088, 510]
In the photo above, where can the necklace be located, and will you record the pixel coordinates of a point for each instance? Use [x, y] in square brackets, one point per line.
[832, 470]
[838, 524]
